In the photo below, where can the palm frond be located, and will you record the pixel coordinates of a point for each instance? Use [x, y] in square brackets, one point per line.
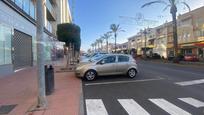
[166, 7]
[189, 9]
[154, 2]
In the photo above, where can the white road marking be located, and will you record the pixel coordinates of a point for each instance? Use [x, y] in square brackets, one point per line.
[193, 82]
[169, 107]
[120, 82]
[19, 70]
[95, 107]
[191, 101]
[132, 107]
[176, 70]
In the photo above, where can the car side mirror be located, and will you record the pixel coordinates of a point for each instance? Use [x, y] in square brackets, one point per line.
[102, 62]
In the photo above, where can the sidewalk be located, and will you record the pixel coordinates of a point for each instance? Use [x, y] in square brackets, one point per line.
[182, 63]
[20, 89]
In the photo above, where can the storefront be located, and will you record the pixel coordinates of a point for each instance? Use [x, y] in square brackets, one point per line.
[170, 50]
[5, 49]
[188, 49]
[196, 48]
[200, 46]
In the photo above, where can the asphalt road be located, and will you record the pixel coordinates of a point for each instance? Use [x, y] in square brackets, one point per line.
[158, 89]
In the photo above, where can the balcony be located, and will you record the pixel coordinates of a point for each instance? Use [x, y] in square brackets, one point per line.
[51, 14]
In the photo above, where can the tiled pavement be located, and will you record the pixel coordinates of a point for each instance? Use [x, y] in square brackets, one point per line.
[21, 88]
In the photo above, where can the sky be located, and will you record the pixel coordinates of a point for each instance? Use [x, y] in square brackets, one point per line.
[95, 17]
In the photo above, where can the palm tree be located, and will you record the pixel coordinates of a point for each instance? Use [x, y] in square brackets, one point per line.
[92, 45]
[173, 10]
[106, 36]
[115, 29]
[95, 44]
[100, 40]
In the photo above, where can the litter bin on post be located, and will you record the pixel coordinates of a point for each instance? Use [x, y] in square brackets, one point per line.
[49, 79]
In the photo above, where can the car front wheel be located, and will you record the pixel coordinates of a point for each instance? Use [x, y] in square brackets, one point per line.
[132, 73]
[90, 75]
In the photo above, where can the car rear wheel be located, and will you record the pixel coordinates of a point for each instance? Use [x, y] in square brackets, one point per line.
[132, 73]
[90, 75]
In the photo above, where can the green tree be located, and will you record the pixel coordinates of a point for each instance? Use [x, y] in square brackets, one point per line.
[115, 29]
[70, 34]
[172, 4]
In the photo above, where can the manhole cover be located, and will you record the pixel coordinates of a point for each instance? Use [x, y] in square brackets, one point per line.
[6, 109]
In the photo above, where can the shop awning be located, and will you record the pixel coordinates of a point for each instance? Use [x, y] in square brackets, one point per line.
[201, 44]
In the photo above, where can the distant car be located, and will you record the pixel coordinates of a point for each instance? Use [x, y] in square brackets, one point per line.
[92, 57]
[180, 57]
[109, 64]
[155, 56]
[190, 58]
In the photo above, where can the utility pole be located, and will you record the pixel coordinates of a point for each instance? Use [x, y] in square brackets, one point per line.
[145, 49]
[42, 101]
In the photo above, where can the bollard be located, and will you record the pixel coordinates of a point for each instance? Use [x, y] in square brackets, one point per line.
[52, 81]
[47, 83]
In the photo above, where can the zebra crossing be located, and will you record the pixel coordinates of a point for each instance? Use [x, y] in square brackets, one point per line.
[190, 83]
[132, 107]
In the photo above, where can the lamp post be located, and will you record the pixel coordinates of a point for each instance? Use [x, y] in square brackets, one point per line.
[42, 101]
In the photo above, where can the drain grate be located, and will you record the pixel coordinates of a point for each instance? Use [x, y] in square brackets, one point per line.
[6, 109]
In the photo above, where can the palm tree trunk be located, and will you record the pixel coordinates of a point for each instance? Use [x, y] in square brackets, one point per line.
[101, 46]
[175, 36]
[107, 45]
[42, 102]
[98, 47]
[115, 42]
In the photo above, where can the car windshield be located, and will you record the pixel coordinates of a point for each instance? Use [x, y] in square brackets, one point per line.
[97, 58]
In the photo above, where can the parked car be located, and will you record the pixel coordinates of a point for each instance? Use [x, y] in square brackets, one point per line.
[190, 58]
[92, 57]
[109, 64]
[180, 57]
[155, 56]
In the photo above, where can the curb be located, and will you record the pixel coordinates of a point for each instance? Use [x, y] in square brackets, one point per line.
[81, 101]
[180, 64]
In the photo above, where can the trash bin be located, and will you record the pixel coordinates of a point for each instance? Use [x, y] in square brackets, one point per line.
[49, 79]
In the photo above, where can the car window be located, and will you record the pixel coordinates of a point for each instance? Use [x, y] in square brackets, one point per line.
[98, 58]
[109, 59]
[123, 58]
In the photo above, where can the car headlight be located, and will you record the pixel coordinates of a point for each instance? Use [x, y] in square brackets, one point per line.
[80, 67]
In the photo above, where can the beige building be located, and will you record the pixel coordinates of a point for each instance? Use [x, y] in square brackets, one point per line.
[122, 48]
[132, 42]
[191, 33]
[160, 43]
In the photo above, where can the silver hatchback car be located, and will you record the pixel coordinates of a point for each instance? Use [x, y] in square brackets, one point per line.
[109, 64]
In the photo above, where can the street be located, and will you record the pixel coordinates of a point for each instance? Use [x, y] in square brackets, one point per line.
[158, 89]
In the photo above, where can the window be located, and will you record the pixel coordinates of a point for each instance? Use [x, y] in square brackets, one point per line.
[188, 51]
[123, 59]
[32, 10]
[110, 59]
[19, 3]
[5, 45]
[26, 6]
